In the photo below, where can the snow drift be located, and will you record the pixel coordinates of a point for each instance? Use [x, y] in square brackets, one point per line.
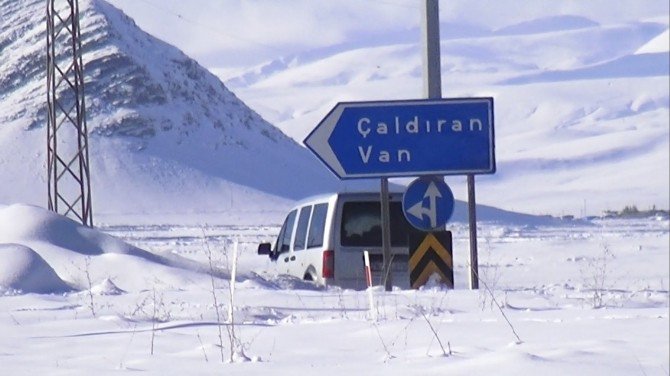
[45, 252]
[23, 269]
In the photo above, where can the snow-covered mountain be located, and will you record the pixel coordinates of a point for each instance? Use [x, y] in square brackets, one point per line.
[165, 134]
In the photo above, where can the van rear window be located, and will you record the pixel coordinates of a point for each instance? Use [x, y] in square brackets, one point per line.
[361, 225]
[317, 226]
[301, 230]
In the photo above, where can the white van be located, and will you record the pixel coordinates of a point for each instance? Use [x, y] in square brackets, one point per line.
[323, 239]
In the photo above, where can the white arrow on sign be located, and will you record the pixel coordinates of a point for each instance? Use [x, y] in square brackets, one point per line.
[418, 210]
[318, 140]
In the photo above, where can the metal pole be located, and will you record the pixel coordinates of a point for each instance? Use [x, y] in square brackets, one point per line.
[432, 84]
[432, 77]
[472, 217]
[386, 234]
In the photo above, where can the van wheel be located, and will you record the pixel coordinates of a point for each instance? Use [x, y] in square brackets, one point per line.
[310, 275]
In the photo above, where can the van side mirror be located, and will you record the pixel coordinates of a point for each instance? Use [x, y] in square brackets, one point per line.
[264, 249]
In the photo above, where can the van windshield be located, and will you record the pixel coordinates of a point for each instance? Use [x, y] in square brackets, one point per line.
[361, 225]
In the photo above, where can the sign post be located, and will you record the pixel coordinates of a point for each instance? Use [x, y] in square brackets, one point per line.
[425, 137]
[430, 28]
[472, 225]
[386, 235]
[382, 139]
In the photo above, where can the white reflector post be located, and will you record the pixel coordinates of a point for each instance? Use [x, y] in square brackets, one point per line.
[368, 272]
[368, 281]
[233, 275]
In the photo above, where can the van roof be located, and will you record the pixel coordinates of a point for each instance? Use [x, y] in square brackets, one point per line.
[327, 197]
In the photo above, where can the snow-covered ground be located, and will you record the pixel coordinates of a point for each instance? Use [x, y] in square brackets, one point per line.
[591, 299]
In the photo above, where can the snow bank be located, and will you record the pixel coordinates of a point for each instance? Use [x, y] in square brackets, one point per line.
[660, 43]
[23, 269]
[107, 287]
[58, 246]
[20, 223]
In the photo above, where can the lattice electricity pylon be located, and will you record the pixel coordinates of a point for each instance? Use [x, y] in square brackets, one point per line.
[67, 135]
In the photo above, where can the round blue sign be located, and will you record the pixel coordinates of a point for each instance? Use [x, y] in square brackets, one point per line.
[428, 203]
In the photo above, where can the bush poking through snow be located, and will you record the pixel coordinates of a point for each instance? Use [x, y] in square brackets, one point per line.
[215, 300]
[595, 275]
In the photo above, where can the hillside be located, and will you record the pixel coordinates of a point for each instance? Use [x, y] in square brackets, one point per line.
[581, 99]
[166, 136]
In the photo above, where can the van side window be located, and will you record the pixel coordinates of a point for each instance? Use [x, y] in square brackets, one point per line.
[317, 226]
[361, 224]
[286, 231]
[301, 230]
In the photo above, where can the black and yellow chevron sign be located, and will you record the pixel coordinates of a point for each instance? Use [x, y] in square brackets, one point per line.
[430, 253]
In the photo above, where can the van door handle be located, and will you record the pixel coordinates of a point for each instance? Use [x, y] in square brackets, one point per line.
[292, 258]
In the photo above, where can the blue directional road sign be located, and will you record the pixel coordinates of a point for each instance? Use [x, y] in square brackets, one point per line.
[406, 138]
[428, 203]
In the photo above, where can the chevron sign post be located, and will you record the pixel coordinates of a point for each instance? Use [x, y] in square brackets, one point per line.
[430, 254]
